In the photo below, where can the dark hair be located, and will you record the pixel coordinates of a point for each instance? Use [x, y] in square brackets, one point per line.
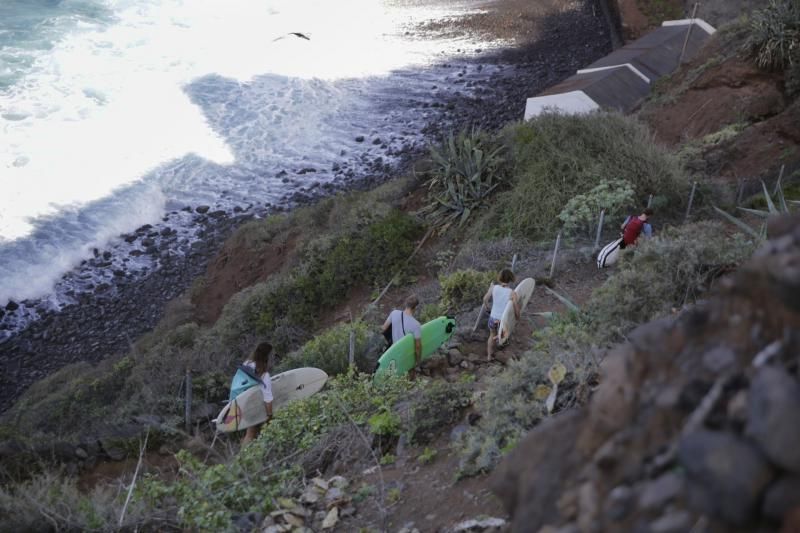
[505, 276]
[412, 301]
[262, 357]
[648, 211]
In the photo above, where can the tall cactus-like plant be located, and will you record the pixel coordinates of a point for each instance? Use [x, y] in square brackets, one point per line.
[466, 173]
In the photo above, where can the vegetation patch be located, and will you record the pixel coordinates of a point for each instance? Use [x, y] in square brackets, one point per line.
[657, 11]
[468, 167]
[370, 242]
[662, 273]
[774, 39]
[438, 406]
[463, 288]
[206, 497]
[558, 157]
[665, 272]
[330, 350]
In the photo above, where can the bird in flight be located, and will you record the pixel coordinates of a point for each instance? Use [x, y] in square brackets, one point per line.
[296, 34]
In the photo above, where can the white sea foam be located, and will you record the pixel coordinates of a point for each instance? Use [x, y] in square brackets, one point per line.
[182, 101]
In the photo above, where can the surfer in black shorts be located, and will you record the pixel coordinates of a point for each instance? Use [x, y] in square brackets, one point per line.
[499, 294]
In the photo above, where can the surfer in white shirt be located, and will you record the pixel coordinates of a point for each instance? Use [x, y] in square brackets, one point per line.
[499, 294]
[400, 323]
[261, 362]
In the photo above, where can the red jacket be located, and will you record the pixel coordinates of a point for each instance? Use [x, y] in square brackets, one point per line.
[632, 230]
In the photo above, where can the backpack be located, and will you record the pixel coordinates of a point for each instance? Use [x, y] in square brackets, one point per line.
[388, 333]
[244, 379]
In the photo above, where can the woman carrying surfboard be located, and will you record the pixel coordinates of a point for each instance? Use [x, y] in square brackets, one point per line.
[260, 361]
[499, 294]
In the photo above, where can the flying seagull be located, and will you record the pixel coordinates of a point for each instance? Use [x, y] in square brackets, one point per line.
[296, 34]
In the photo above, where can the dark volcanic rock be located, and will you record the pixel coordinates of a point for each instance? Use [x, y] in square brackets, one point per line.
[782, 496]
[202, 209]
[729, 473]
[774, 417]
[12, 306]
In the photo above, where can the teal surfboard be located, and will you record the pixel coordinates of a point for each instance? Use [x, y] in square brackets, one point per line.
[399, 358]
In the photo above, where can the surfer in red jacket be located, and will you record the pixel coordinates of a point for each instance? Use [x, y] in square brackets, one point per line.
[634, 226]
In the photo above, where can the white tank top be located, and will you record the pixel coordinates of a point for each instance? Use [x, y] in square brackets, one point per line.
[500, 297]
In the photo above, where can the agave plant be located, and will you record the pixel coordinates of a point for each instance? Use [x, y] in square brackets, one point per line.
[782, 207]
[466, 174]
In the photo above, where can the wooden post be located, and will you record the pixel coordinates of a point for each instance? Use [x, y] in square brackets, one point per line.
[650, 200]
[188, 403]
[688, 32]
[691, 199]
[555, 254]
[513, 262]
[599, 229]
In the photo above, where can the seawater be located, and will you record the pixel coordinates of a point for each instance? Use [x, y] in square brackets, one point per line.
[113, 112]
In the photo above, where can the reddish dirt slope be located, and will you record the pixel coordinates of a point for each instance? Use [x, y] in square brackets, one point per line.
[718, 89]
[238, 265]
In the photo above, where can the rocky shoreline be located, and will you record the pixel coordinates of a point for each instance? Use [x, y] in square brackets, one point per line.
[107, 318]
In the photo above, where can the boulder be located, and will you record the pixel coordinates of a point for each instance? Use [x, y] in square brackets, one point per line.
[728, 474]
[657, 493]
[773, 417]
[781, 497]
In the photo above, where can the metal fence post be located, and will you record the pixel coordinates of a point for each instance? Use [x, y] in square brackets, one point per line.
[691, 199]
[188, 403]
[555, 254]
[599, 229]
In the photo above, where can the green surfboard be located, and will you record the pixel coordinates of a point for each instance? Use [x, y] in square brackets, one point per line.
[399, 358]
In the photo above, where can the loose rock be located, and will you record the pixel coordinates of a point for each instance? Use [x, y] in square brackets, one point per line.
[781, 497]
[773, 417]
[729, 474]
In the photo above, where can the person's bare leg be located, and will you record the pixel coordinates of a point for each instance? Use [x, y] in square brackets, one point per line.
[250, 434]
[490, 347]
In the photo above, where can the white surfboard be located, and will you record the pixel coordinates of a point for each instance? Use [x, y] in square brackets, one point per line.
[296, 384]
[609, 254]
[248, 408]
[507, 322]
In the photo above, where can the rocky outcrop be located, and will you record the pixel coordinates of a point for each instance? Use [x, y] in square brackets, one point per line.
[694, 423]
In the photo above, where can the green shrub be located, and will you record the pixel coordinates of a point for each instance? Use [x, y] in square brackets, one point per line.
[330, 350]
[427, 456]
[438, 406]
[53, 502]
[431, 311]
[467, 171]
[204, 497]
[385, 424]
[331, 266]
[774, 39]
[509, 409]
[582, 211]
[556, 157]
[661, 273]
[464, 288]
